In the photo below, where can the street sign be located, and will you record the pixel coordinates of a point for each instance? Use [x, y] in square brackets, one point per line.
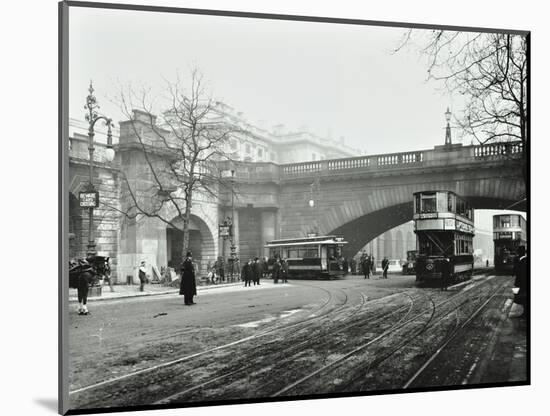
[88, 199]
[224, 230]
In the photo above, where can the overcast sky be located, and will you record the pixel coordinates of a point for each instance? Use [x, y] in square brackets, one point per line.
[334, 80]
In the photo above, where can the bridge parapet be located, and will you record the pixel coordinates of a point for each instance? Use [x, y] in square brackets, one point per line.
[498, 149]
[440, 156]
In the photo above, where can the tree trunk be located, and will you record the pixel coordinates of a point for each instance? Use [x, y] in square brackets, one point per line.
[186, 221]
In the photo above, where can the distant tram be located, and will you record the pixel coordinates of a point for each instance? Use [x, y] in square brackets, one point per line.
[318, 257]
[444, 227]
[509, 232]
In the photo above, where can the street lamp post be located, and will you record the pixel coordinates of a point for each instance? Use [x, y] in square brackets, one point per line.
[93, 117]
[314, 191]
[448, 141]
[232, 240]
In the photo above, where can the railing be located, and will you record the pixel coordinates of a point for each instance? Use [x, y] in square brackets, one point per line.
[298, 168]
[498, 149]
[437, 157]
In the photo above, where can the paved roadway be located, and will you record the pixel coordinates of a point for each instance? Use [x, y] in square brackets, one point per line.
[301, 338]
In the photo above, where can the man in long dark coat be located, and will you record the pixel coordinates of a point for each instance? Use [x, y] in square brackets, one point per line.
[284, 271]
[276, 273]
[385, 265]
[256, 271]
[365, 265]
[246, 273]
[188, 287]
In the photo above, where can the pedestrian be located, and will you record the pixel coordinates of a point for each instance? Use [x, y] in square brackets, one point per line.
[372, 262]
[256, 271]
[220, 269]
[142, 273]
[365, 266]
[284, 270]
[188, 286]
[445, 273]
[522, 281]
[345, 266]
[246, 273]
[276, 271]
[266, 267]
[385, 266]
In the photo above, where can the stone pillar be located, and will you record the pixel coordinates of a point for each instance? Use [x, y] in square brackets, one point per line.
[269, 223]
[236, 233]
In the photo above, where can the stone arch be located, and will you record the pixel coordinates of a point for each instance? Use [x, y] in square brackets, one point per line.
[399, 246]
[410, 242]
[201, 243]
[388, 244]
[360, 230]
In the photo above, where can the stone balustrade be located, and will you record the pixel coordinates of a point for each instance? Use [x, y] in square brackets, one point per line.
[440, 156]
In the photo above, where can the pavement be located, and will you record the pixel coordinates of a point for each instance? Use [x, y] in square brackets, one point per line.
[123, 291]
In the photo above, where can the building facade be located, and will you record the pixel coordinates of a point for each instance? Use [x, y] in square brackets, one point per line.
[128, 238]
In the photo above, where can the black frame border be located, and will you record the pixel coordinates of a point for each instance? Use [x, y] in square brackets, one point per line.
[63, 203]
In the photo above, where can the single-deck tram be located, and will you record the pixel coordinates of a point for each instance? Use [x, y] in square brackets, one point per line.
[316, 257]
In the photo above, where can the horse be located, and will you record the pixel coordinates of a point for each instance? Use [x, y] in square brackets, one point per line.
[84, 273]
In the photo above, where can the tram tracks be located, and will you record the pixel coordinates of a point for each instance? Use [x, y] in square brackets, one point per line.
[240, 367]
[457, 330]
[348, 364]
[182, 381]
[325, 309]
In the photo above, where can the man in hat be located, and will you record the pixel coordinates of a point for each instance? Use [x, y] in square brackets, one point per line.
[246, 273]
[256, 271]
[142, 275]
[188, 286]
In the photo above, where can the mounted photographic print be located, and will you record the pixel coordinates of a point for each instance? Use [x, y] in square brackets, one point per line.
[267, 207]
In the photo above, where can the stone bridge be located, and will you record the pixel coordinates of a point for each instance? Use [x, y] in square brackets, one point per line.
[358, 198]
[362, 197]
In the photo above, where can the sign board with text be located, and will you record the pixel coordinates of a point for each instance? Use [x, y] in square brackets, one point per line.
[88, 199]
[224, 230]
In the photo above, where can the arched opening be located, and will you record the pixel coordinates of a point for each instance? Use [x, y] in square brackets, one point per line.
[411, 241]
[75, 228]
[388, 240]
[399, 246]
[373, 226]
[201, 243]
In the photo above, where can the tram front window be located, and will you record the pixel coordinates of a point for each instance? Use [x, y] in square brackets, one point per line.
[436, 245]
[429, 203]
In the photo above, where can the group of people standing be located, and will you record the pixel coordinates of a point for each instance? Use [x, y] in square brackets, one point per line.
[252, 271]
[280, 270]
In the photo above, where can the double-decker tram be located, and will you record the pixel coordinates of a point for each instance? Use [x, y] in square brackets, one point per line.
[509, 232]
[444, 227]
[318, 257]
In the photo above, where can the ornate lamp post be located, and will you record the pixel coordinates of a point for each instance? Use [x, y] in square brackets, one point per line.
[233, 248]
[313, 193]
[92, 201]
[448, 129]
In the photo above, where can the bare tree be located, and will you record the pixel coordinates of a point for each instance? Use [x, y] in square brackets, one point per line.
[182, 146]
[489, 70]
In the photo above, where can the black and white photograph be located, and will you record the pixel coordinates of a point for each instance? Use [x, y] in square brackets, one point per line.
[265, 207]
[242, 208]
